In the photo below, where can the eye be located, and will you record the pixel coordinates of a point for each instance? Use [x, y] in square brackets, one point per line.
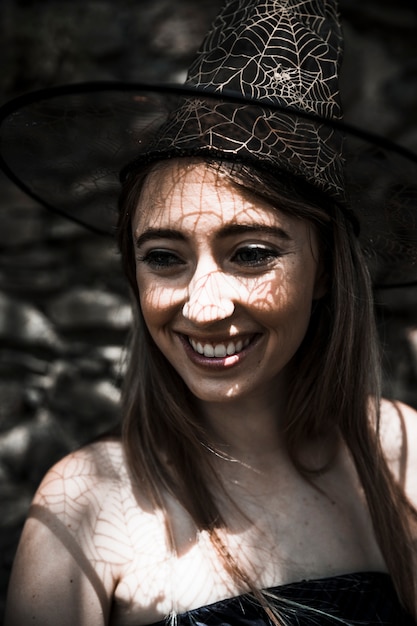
[161, 259]
[254, 255]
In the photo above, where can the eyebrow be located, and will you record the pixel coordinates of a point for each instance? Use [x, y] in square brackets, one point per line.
[241, 229]
[230, 230]
[159, 233]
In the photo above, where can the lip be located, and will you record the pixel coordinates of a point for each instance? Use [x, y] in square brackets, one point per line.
[214, 362]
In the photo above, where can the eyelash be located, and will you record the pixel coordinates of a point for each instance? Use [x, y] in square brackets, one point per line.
[160, 260]
[264, 255]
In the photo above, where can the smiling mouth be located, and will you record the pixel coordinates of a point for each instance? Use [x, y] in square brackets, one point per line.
[219, 350]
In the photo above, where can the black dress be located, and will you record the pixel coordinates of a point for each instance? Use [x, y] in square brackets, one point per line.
[365, 598]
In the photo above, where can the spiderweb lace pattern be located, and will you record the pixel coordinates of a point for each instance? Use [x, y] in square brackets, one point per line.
[285, 52]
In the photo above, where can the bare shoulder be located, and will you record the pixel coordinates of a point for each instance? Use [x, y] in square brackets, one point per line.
[398, 429]
[84, 500]
[82, 478]
[65, 558]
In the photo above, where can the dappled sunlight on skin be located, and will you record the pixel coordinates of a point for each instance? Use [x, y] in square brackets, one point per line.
[119, 546]
[116, 544]
[116, 541]
[66, 537]
[94, 516]
[232, 391]
[102, 538]
[211, 298]
[215, 265]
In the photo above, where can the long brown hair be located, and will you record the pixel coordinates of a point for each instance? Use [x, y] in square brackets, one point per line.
[336, 386]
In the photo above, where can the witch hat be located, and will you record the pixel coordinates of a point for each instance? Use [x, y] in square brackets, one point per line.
[263, 89]
[285, 54]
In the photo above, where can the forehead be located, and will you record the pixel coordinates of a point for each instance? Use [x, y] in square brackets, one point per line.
[188, 194]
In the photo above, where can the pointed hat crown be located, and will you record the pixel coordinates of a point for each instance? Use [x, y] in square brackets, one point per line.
[284, 53]
[287, 52]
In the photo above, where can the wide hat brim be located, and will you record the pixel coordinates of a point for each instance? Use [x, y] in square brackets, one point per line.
[66, 147]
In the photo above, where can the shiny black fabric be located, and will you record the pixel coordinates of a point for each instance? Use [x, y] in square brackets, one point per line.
[351, 600]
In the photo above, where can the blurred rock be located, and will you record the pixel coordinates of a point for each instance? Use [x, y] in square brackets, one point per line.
[84, 399]
[116, 359]
[38, 270]
[12, 403]
[14, 363]
[81, 308]
[23, 325]
[33, 445]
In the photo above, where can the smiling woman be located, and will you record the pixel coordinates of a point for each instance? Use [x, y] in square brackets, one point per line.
[216, 251]
[216, 268]
[258, 477]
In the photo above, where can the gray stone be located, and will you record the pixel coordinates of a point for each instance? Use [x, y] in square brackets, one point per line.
[85, 399]
[38, 270]
[81, 308]
[30, 448]
[24, 325]
[15, 498]
[18, 364]
[12, 403]
[116, 358]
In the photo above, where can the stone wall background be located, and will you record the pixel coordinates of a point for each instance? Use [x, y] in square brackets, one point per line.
[64, 307]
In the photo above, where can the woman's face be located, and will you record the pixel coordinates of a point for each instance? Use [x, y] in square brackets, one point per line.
[226, 282]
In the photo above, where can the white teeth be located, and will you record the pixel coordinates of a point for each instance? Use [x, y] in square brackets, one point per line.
[231, 349]
[208, 350]
[219, 350]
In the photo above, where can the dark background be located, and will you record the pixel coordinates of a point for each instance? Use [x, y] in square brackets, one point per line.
[64, 308]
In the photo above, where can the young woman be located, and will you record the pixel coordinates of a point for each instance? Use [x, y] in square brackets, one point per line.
[253, 458]
[259, 478]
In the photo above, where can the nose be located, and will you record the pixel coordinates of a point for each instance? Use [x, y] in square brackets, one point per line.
[210, 298]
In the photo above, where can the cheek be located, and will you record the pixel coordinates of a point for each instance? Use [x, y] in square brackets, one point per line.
[159, 304]
[285, 300]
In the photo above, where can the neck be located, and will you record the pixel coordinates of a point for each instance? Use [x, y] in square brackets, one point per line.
[246, 427]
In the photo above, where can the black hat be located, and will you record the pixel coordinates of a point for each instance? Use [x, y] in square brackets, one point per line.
[263, 89]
